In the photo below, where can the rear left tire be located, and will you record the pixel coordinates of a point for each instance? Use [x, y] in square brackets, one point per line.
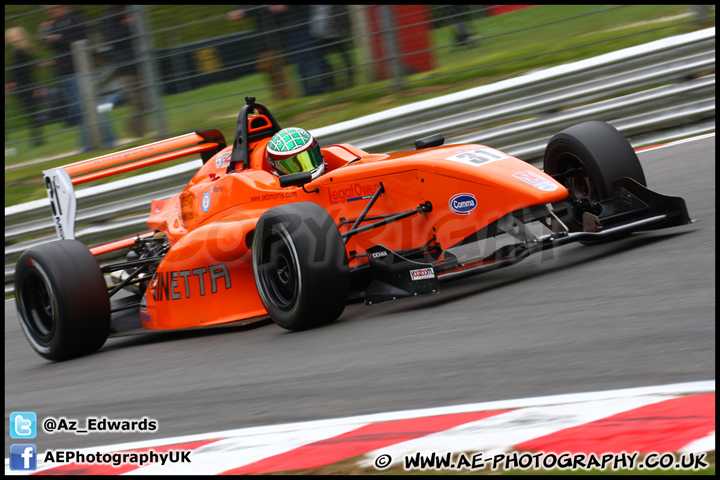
[62, 300]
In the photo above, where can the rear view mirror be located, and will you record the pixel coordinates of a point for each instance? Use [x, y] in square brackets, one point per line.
[295, 179]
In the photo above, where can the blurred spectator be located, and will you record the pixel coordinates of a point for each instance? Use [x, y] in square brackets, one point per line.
[286, 28]
[22, 72]
[68, 26]
[457, 17]
[702, 16]
[331, 29]
[270, 59]
[116, 29]
[302, 49]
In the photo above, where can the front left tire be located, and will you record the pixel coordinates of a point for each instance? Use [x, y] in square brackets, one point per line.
[300, 266]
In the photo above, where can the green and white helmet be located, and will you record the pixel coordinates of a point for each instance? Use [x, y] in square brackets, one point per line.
[294, 150]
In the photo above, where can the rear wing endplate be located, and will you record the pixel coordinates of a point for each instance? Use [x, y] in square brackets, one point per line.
[60, 182]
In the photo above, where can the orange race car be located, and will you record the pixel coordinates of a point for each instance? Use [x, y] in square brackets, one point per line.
[277, 225]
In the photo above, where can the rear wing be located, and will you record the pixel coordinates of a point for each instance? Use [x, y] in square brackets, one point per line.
[60, 182]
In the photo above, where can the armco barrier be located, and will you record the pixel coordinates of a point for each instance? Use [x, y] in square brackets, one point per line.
[652, 92]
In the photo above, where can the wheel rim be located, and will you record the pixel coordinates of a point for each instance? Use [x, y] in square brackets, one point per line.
[278, 270]
[37, 300]
[583, 192]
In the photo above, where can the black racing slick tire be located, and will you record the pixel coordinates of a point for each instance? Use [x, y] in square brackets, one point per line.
[300, 266]
[62, 300]
[587, 158]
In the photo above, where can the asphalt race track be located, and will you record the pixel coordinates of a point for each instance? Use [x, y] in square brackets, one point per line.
[637, 312]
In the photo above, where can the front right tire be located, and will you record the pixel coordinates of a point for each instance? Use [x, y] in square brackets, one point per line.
[587, 158]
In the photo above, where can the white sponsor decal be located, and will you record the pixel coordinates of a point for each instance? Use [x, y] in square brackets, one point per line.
[536, 181]
[223, 160]
[478, 157]
[422, 273]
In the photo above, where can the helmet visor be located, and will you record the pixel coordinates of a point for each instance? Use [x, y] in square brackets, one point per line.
[306, 161]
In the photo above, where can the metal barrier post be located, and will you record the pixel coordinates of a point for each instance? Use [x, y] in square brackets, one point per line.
[361, 36]
[86, 87]
[391, 39]
[147, 66]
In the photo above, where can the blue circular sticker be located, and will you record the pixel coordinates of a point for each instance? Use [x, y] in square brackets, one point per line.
[206, 202]
[462, 203]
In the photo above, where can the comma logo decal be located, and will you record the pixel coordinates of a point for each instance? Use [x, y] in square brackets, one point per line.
[462, 203]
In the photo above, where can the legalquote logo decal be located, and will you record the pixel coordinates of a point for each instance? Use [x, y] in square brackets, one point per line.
[462, 203]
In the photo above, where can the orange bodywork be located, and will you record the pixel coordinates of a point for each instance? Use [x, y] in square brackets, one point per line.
[134, 158]
[206, 277]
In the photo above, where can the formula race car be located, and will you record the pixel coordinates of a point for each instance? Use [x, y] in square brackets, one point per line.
[295, 237]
